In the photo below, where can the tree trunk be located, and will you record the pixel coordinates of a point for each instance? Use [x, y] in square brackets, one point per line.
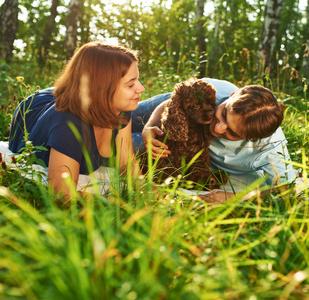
[8, 28]
[71, 34]
[268, 42]
[84, 22]
[200, 37]
[234, 14]
[48, 31]
[306, 52]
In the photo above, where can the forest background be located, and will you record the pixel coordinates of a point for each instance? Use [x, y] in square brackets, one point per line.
[167, 245]
[242, 41]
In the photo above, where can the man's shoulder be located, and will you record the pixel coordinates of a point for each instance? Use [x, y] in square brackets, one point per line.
[224, 88]
[277, 139]
[220, 84]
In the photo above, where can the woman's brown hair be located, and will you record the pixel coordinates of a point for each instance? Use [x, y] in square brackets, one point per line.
[261, 113]
[92, 75]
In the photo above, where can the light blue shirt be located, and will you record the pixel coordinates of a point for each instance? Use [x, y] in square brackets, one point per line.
[243, 157]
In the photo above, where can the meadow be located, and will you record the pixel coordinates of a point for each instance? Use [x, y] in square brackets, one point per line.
[135, 244]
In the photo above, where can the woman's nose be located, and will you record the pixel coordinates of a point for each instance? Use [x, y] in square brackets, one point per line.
[140, 88]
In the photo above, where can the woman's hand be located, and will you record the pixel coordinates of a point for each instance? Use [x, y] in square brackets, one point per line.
[157, 148]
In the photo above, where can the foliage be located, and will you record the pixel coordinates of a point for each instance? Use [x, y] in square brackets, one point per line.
[153, 245]
[162, 245]
[288, 45]
[296, 125]
[169, 27]
[233, 25]
[157, 29]
[133, 243]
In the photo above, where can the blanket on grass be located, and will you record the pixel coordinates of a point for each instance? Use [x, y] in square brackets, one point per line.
[99, 180]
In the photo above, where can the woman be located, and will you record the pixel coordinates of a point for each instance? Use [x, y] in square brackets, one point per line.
[89, 108]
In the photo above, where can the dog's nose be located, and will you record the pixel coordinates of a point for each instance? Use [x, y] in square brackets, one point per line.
[208, 117]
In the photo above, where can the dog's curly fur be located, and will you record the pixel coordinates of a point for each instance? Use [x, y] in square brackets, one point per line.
[185, 121]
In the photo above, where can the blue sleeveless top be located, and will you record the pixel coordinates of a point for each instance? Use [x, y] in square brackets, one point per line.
[50, 128]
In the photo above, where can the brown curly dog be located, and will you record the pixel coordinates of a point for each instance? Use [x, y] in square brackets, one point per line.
[185, 121]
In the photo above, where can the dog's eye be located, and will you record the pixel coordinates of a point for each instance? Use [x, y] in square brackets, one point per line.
[196, 106]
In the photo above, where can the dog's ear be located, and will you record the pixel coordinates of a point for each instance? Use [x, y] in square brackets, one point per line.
[174, 122]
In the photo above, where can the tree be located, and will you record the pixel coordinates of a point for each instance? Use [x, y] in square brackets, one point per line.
[71, 25]
[157, 31]
[269, 36]
[49, 28]
[200, 36]
[8, 28]
[86, 17]
[233, 32]
[306, 44]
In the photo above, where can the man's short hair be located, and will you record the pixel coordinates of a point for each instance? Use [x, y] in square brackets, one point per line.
[261, 113]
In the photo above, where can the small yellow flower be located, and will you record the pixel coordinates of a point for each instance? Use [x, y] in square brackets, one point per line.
[20, 78]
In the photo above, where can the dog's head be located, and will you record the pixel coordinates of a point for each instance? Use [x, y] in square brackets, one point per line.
[198, 99]
[193, 100]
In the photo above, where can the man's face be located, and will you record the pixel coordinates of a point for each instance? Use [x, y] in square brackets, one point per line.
[227, 124]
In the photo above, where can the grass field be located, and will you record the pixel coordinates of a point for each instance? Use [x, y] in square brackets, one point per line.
[136, 244]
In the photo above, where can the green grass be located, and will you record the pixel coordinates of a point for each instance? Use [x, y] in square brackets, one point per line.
[162, 245]
[157, 246]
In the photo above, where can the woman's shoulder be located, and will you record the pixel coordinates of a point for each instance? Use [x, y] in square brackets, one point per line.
[42, 95]
[62, 118]
[61, 128]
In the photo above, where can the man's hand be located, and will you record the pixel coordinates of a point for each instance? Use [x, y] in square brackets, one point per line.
[217, 197]
[157, 148]
[152, 130]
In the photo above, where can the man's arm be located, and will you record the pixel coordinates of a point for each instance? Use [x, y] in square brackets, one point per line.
[217, 196]
[152, 129]
[275, 162]
[279, 171]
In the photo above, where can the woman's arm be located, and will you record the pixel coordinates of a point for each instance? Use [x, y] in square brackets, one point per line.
[59, 164]
[152, 129]
[125, 151]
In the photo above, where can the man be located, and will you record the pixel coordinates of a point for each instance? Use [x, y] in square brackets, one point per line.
[249, 140]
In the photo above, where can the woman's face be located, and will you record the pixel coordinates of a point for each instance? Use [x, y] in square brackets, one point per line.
[226, 123]
[127, 95]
